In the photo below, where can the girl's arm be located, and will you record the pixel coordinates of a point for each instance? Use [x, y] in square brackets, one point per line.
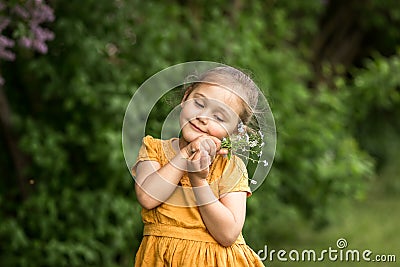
[224, 218]
[155, 184]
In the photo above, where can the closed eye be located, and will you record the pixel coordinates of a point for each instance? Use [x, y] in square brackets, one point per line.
[197, 103]
[218, 118]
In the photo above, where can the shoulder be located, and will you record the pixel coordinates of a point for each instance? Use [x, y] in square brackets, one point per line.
[149, 142]
[156, 149]
[148, 139]
[225, 167]
[235, 165]
[234, 177]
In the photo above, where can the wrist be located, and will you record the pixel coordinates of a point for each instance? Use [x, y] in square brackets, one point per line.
[180, 161]
[204, 195]
[184, 153]
[197, 182]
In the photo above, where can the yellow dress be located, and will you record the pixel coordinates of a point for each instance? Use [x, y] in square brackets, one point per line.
[174, 233]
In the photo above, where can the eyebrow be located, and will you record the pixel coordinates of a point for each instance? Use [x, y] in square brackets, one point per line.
[200, 94]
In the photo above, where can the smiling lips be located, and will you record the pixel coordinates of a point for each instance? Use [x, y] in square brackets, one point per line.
[196, 128]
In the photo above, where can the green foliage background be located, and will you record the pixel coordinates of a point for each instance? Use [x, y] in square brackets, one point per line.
[337, 124]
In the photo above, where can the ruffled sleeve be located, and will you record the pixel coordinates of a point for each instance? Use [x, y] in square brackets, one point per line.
[148, 151]
[234, 178]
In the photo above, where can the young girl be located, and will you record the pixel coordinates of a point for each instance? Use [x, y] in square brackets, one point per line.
[193, 195]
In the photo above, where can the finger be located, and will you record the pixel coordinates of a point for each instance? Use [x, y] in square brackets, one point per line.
[223, 151]
[216, 141]
[204, 145]
[205, 160]
[191, 158]
[211, 141]
[209, 145]
[213, 147]
[194, 162]
[194, 147]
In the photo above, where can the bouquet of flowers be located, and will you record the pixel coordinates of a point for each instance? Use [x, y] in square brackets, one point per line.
[247, 144]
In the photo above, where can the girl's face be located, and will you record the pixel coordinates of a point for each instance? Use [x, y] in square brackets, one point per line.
[209, 110]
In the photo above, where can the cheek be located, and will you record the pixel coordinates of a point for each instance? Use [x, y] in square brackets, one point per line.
[188, 111]
[185, 114]
[228, 129]
[218, 130]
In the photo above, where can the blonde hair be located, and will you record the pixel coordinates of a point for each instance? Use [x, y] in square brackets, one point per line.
[234, 80]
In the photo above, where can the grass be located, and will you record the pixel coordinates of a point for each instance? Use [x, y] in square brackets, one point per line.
[372, 224]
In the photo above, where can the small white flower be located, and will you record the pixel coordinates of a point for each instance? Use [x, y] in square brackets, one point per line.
[241, 127]
[247, 145]
[253, 143]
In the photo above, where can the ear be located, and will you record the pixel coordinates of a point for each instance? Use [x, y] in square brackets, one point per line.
[186, 95]
[183, 100]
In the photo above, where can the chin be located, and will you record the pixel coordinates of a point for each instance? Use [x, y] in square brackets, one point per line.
[189, 136]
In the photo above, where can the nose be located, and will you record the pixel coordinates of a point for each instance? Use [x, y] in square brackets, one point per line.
[202, 118]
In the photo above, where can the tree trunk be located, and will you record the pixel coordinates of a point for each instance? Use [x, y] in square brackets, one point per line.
[339, 40]
[18, 157]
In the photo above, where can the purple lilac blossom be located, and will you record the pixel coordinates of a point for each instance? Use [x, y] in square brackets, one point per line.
[4, 44]
[31, 14]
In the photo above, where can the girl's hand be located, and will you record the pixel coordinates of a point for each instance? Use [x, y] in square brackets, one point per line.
[210, 144]
[198, 167]
[200, 154]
